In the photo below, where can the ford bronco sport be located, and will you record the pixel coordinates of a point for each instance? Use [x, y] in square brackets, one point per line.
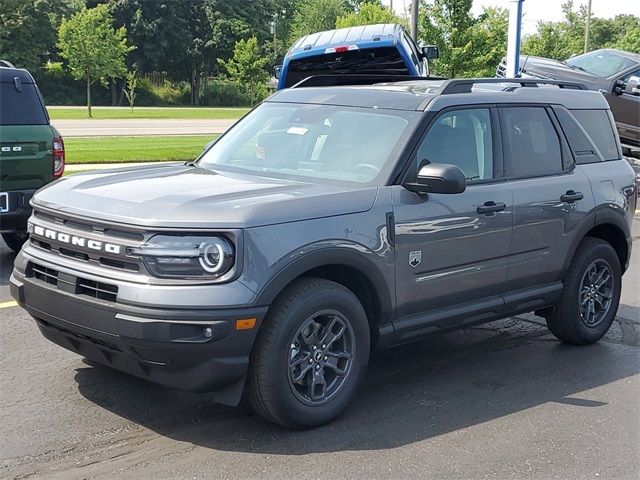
[330, 222]
[31, 151]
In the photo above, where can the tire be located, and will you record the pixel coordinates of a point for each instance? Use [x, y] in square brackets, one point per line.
[15, 240]
[568, 322]
[283, 383]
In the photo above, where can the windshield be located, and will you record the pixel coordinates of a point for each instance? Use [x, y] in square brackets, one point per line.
[602, 64]
[319, 142]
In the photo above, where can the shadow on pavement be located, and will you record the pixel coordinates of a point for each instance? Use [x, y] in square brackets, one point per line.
[411, 393]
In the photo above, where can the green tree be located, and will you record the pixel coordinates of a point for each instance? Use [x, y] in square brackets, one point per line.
[489, 42]
[130, 90]
[469, 46]
[560, 40]
[196, 32]
[247, 68]
[316, 16]
[28, 30]
[368, 14]
[94, 50]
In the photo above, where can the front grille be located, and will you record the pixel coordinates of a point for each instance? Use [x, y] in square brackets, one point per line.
[80, 229]
[99, 290]
[502, 68]
[72, 284]
[44, 274]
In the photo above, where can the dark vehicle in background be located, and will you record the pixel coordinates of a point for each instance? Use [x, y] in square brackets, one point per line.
[383, 49]
[31, 151]
[615, 73]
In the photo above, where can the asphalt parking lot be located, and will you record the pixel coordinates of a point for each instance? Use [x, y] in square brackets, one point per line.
[503, 400]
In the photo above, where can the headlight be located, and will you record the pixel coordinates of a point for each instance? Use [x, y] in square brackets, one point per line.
[200, 257]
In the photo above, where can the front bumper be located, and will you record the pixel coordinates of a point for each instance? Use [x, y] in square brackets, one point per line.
[15, 220]
[165, 345]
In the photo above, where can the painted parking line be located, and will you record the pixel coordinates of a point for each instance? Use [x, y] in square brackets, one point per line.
[12, 303]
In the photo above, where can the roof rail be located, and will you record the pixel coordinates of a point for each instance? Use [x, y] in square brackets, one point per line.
[355, 79]
[464, 85]
[6, 63]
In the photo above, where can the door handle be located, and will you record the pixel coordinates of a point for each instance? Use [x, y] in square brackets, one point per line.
[490, 207]
[571, 196]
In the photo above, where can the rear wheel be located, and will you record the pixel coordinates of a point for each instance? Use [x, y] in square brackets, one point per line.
[15, 240]
[310, 355]
[591, 294]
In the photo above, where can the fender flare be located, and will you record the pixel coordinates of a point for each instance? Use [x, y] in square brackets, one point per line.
[344, 256]
[601, 216]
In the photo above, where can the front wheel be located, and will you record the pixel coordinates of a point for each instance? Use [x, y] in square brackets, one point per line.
[310, 355]
[15, 240]
[591, 294]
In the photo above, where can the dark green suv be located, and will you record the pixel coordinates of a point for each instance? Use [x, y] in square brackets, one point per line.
[31, 151]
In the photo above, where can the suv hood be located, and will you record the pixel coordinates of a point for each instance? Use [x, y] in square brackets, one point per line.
[177, 195]
[553, 69]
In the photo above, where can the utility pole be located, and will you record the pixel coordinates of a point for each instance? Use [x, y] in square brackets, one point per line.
[275, 40]
[414, 20]
[586, 30]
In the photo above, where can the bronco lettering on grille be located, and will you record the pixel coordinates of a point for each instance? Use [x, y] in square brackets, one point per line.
[76, 241]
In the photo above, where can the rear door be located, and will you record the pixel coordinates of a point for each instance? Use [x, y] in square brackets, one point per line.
[26, 138]
[551, 197]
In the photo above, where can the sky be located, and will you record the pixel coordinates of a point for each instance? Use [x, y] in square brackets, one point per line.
[548, 10]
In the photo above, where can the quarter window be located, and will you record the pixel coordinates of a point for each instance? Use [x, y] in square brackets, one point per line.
[462, 138]
[597, 124]
[533, 146]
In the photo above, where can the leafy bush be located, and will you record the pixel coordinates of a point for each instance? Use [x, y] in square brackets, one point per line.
[163, 95]
[226, 93]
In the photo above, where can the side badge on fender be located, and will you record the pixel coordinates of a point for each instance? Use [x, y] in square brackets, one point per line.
[415, 258]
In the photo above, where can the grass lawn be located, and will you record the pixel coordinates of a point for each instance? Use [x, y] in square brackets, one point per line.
[80, 113]
[135, 149]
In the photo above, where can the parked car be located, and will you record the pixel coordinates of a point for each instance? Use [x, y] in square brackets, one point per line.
[331, 222]
[383, 49]
[31, 151]
[615, 73]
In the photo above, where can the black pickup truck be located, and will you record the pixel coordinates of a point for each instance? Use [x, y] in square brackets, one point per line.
[615, 73]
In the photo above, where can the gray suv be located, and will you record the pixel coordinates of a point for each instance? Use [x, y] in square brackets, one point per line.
[331, 222]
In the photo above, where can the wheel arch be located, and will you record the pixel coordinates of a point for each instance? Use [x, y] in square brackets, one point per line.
[613, 229]
[350, 268]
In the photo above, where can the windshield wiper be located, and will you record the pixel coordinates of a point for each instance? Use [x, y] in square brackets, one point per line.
[575, 67]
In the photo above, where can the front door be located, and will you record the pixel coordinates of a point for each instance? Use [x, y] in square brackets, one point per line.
[626, 111]
[453, 249]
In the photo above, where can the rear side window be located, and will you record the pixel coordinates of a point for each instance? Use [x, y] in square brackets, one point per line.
[21, 107]
[598, 126]
[533, 146]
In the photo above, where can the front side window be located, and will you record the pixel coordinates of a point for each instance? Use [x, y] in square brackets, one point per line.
[462, 138]
[312, 142]
[533, 143]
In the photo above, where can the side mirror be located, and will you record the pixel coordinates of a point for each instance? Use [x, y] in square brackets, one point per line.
[430, 52]
[438, 178]
[632, 87]
[277, 70]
